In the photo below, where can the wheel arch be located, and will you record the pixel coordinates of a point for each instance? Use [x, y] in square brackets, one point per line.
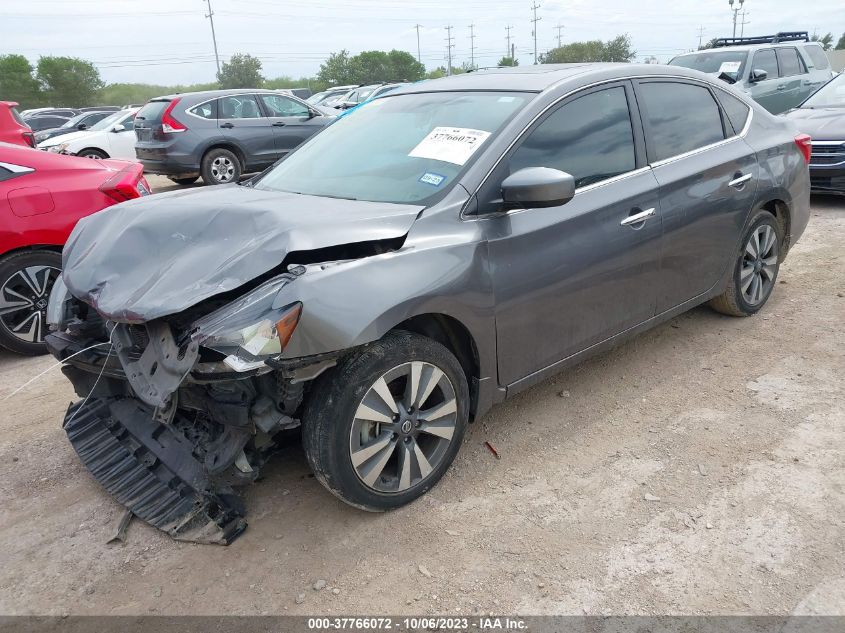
[227, 145]
[99, 150]
[780, 209]
[31, 248]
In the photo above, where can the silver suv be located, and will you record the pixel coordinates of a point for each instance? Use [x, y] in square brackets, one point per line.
[778, 71]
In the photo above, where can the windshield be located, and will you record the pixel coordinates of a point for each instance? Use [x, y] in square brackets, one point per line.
[402, 149]
[831, 95]
[108, 122]
[75, 120]
[316, 98]
[729, 62]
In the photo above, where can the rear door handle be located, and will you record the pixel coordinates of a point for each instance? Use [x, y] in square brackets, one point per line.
[740, 181]
[228, 126]
[279, 124]
[637, 218]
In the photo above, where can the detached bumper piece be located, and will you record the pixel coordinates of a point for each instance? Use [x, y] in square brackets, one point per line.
[151, 469]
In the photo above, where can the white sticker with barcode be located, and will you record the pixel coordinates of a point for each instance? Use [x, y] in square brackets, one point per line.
[450, 144]
[729, 67]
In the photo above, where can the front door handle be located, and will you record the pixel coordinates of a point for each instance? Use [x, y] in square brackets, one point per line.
[782, 87]
[228, 126]
[279, 124]
[637, 218]
[740, 181]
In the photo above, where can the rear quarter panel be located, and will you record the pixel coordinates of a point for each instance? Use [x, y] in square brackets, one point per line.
[784, 175]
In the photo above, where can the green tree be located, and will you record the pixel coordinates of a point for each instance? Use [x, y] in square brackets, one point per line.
[17, 82]
[369, 67]
[336, 70]
[615, 50]
[840, 45]
[508, 61]
[241, 71]
[404, 67]
[68, 81]
[826, 41]
[710, 44]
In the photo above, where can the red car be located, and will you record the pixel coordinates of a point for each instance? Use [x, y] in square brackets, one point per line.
[42, 196]
[12, 128]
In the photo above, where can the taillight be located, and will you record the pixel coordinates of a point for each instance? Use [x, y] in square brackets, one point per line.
[168, 123]
[805, 144]
[29, 137]
[123, 185]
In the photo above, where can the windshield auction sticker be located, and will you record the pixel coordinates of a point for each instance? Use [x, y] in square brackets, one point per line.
[729, 67]
[450, 144]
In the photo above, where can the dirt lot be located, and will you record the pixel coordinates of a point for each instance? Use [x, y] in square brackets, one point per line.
[698, 469]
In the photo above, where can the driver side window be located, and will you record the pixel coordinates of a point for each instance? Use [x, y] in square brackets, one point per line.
[590, 137]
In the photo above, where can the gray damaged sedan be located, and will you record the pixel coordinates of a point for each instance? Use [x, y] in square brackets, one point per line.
[432, 254]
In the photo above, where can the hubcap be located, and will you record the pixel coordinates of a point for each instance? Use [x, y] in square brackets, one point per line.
[759, 265]
[222, 169]
[403, 427]
[23, 302]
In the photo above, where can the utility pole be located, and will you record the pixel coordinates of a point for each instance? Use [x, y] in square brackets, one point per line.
[449, 46]
[534, 21]
[472, 45]
[700, 36]
[559, 28]
[743, 23]
[419, 57]
[210, 16]
[508, 36]
[736, 10]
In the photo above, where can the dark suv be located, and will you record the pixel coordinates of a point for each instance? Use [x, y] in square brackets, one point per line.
[221, 134]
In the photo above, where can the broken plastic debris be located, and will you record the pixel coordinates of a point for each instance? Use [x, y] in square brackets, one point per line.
[492, 449]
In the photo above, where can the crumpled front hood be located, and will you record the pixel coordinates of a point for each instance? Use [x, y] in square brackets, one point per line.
[161, 254]
[823, 124]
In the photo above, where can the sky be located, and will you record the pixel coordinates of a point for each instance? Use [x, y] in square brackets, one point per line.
[169, 41]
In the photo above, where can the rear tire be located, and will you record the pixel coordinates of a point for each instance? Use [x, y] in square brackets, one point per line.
[95, 154]
[371, 437]
[755, 269]
[220, 167]
[26, 280]
[184, 181]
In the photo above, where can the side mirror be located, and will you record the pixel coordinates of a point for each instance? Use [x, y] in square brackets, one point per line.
[538, 187]
[82, 126]
[119, 128]
[758, 74]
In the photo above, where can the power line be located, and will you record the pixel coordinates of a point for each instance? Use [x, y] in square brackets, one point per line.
[700, 36]
[559, 28]
[419, 57]
[534, 21]
[210, 16]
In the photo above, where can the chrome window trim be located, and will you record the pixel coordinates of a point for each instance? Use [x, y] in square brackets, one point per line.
[828, 143]
[614, 179]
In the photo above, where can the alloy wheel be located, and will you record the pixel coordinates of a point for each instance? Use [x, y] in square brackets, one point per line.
[222, 169]
[23, 302]
[759, 265]
[403, 427]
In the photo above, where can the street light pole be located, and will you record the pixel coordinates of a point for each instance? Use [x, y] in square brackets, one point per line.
[736, 10]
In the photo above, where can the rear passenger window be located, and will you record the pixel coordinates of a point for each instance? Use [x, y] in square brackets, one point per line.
[206, 110]
[817, 55]
[766, 60]
[238, 107]
[736, 110]
[590, 138]
[680, 118]
[790, 63]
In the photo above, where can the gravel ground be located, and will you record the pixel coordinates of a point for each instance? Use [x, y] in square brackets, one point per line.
[698, 469]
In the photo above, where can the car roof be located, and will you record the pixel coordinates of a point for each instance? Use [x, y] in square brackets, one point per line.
[207, 94]
[543, 76]
[743, 48]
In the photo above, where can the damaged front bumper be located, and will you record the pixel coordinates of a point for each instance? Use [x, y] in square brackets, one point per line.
[168, 427]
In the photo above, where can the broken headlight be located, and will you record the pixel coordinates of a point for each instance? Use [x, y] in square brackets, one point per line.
[251, 329]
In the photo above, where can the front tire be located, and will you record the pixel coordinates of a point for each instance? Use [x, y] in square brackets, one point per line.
[26, 280]
[755, 271]
[220, 167]
[92, 153]
[381, 428]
